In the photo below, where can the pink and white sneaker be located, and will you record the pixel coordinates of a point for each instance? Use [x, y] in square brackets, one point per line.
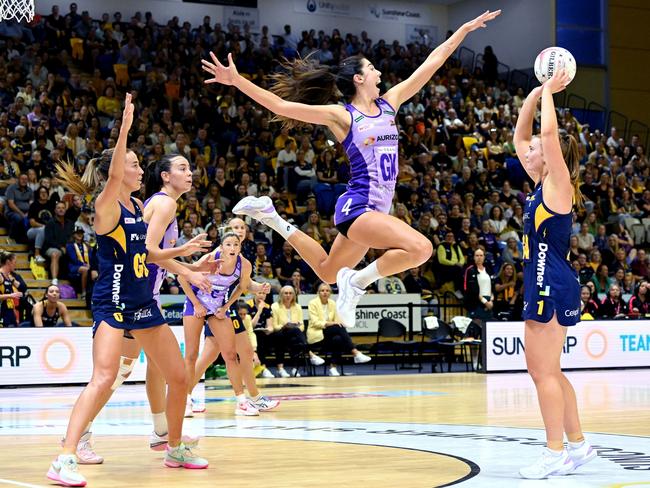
[64, 471]
[85, 452]
[258, 208]
[197, 406]
[246, 409]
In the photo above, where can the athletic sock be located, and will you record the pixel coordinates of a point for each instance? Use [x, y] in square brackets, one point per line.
[368, 275]
[241, 398]
[556, 446]
[576, 445]
[281, 226]
[159, 423]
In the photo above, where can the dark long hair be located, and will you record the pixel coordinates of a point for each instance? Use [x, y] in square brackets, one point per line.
[308, 81]
[96, 171]
[153, 181]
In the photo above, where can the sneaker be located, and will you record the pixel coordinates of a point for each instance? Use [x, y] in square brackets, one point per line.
[159, 442]
[334, 372]
[64, 470]
[266, 373]
[85, 453]
[246, 409]
[257, 208]
[182, 457]
[264, 404]
[282, 373]
[189, 413]
[581, 455]
[361, 358]
[197, 406]
[316, 360]
[295, 373]
[549, 463]
[349, 296]
[55, 282]
[40, 260]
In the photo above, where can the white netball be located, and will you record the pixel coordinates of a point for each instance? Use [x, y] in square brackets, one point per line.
[553, 58]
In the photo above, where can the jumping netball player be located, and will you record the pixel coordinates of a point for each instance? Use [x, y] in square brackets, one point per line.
[122, 302]
[214, 306]
[366, 128]
[551, 286]
[243, 346]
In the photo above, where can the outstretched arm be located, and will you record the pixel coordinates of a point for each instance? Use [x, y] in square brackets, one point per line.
[401, 92]
[333, 116]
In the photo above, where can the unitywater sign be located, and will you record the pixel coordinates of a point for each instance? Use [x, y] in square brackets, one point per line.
[590, 344]
[367, 319]
[328, 7]
[240, 16]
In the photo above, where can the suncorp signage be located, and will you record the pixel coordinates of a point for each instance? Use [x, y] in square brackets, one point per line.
[590, 344]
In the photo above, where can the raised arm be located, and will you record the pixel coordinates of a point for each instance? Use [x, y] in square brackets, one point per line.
[107, 208]
[401, 92]
[524, 129]
[558, 190]
[333, 116]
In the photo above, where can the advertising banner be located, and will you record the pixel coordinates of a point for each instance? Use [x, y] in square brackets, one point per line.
[590, 344]
[58, 355]
[239, 16]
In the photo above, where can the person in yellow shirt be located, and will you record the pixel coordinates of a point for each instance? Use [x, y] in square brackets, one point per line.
[325, 329]
[288, 332]
[107, 104]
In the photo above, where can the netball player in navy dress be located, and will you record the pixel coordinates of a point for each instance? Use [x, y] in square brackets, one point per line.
[366, 128]
[122, 302]
[551, 286]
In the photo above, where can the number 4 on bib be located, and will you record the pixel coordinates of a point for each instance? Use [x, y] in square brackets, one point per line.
[347, 207]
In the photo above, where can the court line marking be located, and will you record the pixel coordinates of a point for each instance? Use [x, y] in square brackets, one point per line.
[19, 483]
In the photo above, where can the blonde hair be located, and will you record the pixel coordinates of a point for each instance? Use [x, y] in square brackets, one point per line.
[96, 171]
[282, 290]
[571, 155]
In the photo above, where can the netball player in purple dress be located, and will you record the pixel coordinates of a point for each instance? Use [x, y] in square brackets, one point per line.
[365, 126]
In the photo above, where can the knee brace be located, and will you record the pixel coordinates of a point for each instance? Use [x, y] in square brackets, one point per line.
[126, 366]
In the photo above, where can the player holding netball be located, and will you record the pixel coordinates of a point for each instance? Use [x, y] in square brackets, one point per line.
[551, 286]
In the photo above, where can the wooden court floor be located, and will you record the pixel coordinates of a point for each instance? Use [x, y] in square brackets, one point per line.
[416, 431]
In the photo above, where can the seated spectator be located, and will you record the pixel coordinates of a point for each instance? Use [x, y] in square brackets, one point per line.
[639, 265]
[19, 197]
[507, 288]
[13, 290]
[391, 284]
[58, 232]
[613, 306]
[41, 211]
[479, 299]
[325, 330]
[511, 254]
[51, 311]
[85, 223]
[639, 305]
[451, 261]
[588, 306]
[585, 239]
[288, 334]
[298, 283]
[266, 276]
[601, 279]
[78, 253]
[286, 263]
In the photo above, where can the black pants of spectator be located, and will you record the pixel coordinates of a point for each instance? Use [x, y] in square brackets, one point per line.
[452, 274]
[337, 341]
[17, 229]
[264, 344]
[292, 340]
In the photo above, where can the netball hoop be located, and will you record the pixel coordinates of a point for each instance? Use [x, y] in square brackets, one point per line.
[17, 9]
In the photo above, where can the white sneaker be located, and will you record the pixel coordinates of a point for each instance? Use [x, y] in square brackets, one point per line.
[64, 470]
[361, 358]
[316, 360]
[246, 409]
[549, 463]
[188, 408]
[349, 296]
[266, 373]
[85, 452]
[581, 455]
[264, 404]
[282, 373]
[159, 442]
[40, 260]
[334, 372]
[257, 208]
[295, 373]
[55, 282]
[197, 406]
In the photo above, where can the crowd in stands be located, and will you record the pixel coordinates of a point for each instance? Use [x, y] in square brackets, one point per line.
[62, 85]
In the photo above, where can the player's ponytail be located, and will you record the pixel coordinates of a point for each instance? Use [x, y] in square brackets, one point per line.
[308, 81]
[153, 181]
[571, 154]
[96, 171]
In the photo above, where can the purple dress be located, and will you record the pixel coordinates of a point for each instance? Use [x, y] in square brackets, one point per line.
[372, 148]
